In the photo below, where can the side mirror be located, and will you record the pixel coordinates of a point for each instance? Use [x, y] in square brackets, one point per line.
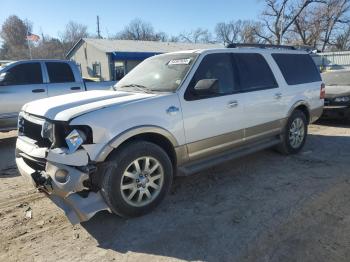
[207, 86]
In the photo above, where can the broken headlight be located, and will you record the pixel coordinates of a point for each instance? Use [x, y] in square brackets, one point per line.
[75, 139]
[47, 131]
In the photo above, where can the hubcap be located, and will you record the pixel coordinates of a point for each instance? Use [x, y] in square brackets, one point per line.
[142, 181]
[296, 133]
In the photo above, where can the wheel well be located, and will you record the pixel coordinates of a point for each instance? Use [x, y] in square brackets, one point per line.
[305, 110]
[157, 139]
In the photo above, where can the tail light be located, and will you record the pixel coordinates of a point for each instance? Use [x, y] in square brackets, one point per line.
[323, 91]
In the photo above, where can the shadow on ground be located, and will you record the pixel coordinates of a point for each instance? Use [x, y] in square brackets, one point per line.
[334, 122]
[7, 157]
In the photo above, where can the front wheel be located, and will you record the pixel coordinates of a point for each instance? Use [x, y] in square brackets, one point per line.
[138, 177]
[294, 135]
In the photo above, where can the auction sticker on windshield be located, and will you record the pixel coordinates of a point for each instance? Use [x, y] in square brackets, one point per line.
[184, 61]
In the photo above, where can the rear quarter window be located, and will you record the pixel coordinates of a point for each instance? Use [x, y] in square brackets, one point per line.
[297, 68]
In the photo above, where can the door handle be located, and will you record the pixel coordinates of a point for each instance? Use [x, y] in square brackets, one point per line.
[40, 90]
[278, 95]
[75, 88]
[232, 104]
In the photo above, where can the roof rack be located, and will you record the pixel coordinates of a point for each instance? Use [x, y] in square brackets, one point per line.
[264, 46]
[306, 48]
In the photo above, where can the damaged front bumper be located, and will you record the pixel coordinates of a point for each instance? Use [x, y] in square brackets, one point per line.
[64, 179]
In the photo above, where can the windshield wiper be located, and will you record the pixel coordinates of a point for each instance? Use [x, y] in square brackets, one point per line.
[138, 87]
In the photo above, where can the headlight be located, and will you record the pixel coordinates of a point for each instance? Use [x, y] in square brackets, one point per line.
[75, 139]
[342, 99]
[47, 131]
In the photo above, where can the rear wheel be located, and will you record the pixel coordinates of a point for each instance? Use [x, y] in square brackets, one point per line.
[294, 135]
[137, 179]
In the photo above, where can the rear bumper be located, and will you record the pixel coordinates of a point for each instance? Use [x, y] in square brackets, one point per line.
[70, 194]
[336, 112]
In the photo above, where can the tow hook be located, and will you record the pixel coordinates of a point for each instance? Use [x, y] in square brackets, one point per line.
[43, 182]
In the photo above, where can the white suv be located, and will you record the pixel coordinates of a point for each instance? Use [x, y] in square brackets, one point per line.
[174, 114]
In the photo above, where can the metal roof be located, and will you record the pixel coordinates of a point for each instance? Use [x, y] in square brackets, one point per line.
[110, 46]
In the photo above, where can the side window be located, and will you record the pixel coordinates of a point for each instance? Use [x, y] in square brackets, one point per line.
[297, 68]
[214, 67]
[59, 72]
[23, 74]
[254, 72]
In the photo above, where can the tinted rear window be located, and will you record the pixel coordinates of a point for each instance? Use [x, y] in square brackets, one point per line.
[254, 72]
[59, 72]
[297, 68]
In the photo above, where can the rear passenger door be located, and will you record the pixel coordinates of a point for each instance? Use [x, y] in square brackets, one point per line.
[263, 99]
[61, 79]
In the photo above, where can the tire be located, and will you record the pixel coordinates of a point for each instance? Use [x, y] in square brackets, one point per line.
[288, 145]
[122, 177]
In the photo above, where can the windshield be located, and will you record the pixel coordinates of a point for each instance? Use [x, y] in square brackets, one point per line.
[162, 73]
[339, 78]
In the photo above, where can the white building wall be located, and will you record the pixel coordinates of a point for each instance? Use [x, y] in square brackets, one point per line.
[86, 55]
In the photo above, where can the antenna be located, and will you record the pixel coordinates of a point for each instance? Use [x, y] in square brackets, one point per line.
[98, 27]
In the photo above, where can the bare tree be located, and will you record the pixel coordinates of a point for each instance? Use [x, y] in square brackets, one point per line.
[320, 25]
[238, 32]
[198, 35]
[342, 41]
[141, 30]
[72, 34]
[50, 48]
[280, 15]
[334, 14]
[307, 29]
[13, 32]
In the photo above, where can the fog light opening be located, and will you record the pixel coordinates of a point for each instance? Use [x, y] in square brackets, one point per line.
[61, 176]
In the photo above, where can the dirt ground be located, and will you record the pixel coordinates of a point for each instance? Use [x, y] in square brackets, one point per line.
[264, 207]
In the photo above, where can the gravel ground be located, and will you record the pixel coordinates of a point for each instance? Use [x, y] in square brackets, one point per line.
[264, 207]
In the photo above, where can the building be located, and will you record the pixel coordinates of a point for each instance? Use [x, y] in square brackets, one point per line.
[111, 59]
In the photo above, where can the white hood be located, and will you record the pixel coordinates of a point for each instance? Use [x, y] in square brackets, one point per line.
[66, 107]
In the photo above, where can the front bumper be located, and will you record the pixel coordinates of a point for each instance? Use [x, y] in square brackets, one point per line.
[39, 168]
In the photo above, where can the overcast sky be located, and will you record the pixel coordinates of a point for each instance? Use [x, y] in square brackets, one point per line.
[172, 17]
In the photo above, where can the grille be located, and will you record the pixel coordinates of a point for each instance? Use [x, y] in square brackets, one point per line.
[33, 131]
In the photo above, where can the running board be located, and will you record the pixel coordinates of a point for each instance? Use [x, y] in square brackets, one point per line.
[202, 164]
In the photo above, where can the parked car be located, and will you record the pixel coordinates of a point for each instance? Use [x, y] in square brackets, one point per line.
[25, 81]
[337, 99]
[173, 114]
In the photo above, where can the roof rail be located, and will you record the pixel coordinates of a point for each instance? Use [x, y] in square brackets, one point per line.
[264, 46]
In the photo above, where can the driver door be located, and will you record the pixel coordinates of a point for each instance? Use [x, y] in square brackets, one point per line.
[21, 83]
[213, 121]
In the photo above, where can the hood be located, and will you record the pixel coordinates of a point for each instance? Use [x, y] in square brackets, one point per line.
[66, 107]
[337, 91]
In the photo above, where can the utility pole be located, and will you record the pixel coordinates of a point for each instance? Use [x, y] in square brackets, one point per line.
[281, 26]
[28, 43]
[98, 27]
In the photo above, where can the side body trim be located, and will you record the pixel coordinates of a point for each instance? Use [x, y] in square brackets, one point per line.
[214, 145]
